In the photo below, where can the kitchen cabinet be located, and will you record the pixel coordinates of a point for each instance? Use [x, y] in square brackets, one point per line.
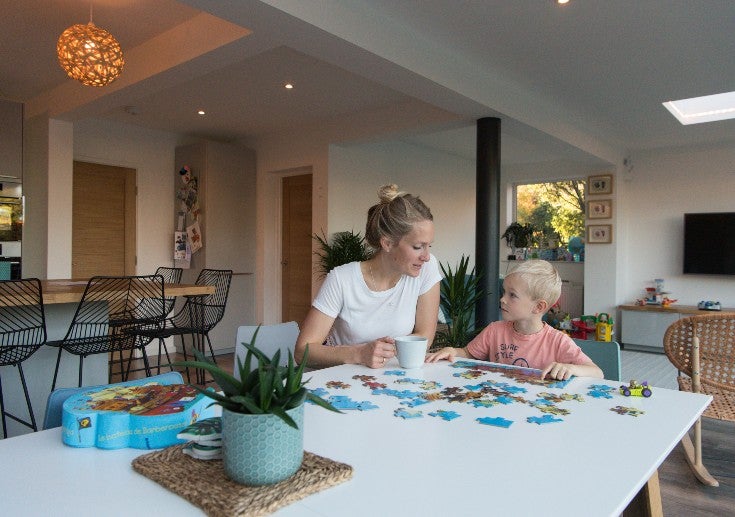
[11, 141]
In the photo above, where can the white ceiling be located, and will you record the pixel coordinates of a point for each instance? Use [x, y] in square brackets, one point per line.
[583, 82]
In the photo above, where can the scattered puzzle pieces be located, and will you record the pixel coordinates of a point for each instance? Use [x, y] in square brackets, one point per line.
[485, 393]
[319, 392]
[445, 415]
[339, 385]
[343, 402]
[408, 413]
[415, 402]
[496, 421]
[631, 411]
[546, 419]
[401, 394]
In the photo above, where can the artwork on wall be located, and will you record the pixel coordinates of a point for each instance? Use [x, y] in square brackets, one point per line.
[599, 209]
[599, 233]
[600, 184]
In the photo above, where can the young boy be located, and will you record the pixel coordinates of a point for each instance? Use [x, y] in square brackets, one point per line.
[522, 338]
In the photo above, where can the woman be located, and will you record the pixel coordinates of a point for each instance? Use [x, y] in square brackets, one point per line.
[362, 305]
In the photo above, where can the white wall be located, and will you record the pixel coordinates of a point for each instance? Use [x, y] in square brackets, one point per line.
[653, 199]
[444, 182]
[151, 154]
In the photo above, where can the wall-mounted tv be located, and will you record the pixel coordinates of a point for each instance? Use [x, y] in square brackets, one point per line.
[709, 243]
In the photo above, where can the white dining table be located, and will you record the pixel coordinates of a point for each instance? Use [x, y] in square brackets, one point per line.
[593, 461]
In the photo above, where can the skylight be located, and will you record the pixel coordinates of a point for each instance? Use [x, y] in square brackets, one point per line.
[709, 108]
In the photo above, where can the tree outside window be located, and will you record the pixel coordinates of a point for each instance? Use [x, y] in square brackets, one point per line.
[555, 209]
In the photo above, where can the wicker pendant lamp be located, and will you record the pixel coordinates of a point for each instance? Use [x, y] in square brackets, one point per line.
[89, 54]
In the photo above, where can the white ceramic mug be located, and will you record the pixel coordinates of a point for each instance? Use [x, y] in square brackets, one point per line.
[411, 351]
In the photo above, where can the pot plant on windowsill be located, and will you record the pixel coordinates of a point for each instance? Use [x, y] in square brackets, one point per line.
[262, 415]
[519, 237]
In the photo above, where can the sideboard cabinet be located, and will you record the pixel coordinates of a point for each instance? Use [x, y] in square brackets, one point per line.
[642, 327]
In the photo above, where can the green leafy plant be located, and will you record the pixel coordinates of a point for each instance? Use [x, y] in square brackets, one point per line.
[344, 248]
[519, 235]
[459, 292]
[267, 389]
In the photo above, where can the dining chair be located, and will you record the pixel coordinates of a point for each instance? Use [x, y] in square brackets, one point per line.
[171, 275]
[280, 336]
[22, 333]
[702, 348]
[196, 318]
[605, 354]
[55, 401]
[111, 308]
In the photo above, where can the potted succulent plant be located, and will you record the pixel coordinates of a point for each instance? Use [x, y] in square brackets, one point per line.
[262, 414]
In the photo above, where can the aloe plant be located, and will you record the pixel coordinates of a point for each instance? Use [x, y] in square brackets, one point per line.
[267, 389]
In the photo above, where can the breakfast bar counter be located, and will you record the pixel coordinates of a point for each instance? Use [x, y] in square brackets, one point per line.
[60, 299]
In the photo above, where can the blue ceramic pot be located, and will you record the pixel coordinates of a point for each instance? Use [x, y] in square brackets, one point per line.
[262, 449]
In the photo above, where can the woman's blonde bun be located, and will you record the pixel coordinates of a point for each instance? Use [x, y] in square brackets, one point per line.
[388, 193]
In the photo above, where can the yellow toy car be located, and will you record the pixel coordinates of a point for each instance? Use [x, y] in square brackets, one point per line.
[636, 390]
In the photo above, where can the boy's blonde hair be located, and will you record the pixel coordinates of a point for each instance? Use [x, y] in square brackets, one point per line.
[542, 279]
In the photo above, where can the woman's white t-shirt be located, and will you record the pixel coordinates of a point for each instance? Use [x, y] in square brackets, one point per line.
[362, 315]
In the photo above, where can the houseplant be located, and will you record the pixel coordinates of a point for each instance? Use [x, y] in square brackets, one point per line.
[262, 414]
[519, 236]
[344, 248]
[459, 293]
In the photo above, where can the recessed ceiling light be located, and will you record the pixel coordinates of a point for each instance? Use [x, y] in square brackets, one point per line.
[562, 2]
[709, 108]
[201, 112]
[288, 86]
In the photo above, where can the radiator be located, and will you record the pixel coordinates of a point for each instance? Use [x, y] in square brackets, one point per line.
[571, 300]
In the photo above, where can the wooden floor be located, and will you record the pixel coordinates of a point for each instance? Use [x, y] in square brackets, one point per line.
[682, 495]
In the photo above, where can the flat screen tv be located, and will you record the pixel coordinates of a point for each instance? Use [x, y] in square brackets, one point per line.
[709, 243]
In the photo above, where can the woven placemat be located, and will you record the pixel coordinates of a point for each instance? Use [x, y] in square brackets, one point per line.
[204, 483]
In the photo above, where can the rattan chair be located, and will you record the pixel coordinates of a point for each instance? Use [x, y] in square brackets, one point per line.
[196, 318]
[110, 309]
[702, 348]
[22, 332]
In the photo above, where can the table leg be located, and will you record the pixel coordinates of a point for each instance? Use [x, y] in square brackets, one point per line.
[648, 501]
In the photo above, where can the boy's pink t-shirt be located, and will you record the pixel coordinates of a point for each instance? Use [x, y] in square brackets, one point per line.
[500, 343]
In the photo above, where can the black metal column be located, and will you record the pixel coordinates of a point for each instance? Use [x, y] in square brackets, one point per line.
[487, 217]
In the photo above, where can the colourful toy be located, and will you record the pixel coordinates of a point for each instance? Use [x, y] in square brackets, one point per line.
[604, 327]
[584, 327]
[636, 390]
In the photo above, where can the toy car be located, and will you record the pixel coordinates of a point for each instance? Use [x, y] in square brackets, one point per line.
[636, 390]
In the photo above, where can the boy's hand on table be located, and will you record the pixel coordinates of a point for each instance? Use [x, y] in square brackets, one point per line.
[447, 353]
[558, 371]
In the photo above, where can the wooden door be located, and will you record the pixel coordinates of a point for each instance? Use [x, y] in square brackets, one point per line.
[103, 220]
[296, 247]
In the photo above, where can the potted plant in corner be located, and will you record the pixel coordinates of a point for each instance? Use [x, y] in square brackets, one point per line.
[344, 248]
[262, 415]
[459, 292]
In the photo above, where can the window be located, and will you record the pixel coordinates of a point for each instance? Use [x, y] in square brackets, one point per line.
[555, 210]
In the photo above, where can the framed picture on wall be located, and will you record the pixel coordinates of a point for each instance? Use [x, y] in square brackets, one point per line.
[600, 184]
[599, 209]
[599, 233]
